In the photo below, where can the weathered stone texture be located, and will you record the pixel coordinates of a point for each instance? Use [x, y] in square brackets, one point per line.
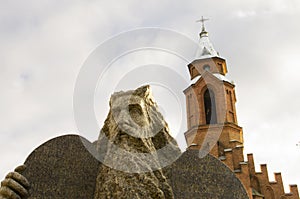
[134, 144]
[205, 178]
[62, 168]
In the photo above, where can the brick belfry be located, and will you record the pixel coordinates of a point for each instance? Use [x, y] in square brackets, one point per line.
[212, 125]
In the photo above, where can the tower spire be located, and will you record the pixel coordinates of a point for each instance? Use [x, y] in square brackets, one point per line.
[206, 48]
[202, 20]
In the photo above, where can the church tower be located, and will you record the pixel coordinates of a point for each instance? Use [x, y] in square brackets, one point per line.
[210, 99]
[212, 125]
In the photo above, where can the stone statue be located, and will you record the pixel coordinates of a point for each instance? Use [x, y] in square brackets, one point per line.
[134, 157]
[128, 147]
[130, 143]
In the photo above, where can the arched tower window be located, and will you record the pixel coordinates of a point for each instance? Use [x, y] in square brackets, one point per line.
[210, 107]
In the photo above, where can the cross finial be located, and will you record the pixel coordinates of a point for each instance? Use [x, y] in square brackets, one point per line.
[202, 20]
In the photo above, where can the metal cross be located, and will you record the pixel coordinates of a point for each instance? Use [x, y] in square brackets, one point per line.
[202, 20]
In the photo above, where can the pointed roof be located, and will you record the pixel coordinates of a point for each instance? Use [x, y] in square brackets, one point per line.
[206, 48]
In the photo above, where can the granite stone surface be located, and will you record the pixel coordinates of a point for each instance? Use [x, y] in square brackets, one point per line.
[62, 168]
[205, 178]
[134, 157]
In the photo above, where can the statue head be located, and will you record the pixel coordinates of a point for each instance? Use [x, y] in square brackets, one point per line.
[135, 113]
[129, 110]
[135, 136]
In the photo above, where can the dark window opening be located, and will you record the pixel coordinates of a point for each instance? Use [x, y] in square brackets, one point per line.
[210, 107]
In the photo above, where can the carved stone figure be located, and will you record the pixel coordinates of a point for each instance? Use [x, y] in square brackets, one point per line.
[131, 143]
[128, 146]
[134, 157]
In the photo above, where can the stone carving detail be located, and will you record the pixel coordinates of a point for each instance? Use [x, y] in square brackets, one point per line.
[134, 157]
[15, 185]
[134, 145]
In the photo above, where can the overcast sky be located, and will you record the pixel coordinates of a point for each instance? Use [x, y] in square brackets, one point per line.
[45, 43]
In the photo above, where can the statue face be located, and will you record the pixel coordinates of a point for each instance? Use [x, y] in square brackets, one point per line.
[130, 114]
